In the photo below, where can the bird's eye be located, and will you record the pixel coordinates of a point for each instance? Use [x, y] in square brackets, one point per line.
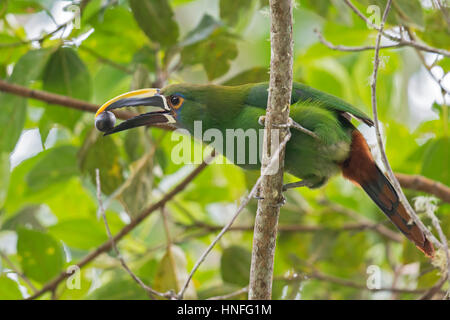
[175, 101]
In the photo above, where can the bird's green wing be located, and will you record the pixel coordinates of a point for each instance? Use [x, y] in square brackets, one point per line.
[257, 96]
[304, 93]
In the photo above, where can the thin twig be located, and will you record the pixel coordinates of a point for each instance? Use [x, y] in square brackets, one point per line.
[380, 228]
[353, 48]
[17, 271]
[305, 228]
[430, 212]
[244, 203]
[148, 289]
[429, 294]
[47, 35]
[317, 275]
[127, 229]
[230, 295]
[399, 40]
[444, 90]
[391, 175]
[65, 101]
[421, 183]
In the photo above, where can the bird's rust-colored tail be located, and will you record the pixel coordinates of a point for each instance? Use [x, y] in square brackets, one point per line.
[361, 168]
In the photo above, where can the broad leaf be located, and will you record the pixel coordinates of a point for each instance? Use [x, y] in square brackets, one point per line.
[155, 18]
[9, 289]
[119, 289]
[4, 176]
[436, 161]
[14, 108]
[102, 153]
[56, 165]
[172, 273]
[66, 74]
[41, 256]
[235, 265]
[253, 75]
[232, 11]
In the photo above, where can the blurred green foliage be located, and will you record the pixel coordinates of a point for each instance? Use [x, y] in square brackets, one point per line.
[48, 205]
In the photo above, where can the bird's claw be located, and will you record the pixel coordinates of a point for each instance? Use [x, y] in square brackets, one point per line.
[297, 184]
[290, 124]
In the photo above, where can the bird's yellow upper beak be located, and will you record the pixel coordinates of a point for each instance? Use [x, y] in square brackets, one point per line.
[138, 94]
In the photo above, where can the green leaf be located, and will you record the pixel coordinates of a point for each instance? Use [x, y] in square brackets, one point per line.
[99, 152]
[41, 257]
[4, 176]
[141, 78]
[31, 66]
[147, 57]
[231, 11]
[22, 6]
[12, 120]
[445, 64]
[57, 165]
[68, 231]
[134, 143]
[321, 7]
[9, 289]
[109, 82]
[210, 45]
[116, 34]
[135, 194]
[121, 289]
[172, 273]
[253, 75]
[66, 74]
[155, 18]
[436, 161]
[202, 31]
[436, 31]
[26, 217]
[235, 265]
[179, 2]
[409, 13]
[14, 108]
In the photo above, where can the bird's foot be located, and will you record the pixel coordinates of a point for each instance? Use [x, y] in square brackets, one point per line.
[257, 195]
[297, 184]
[291, 124]
[280, 203]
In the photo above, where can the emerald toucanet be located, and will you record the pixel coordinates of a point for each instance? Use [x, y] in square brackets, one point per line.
[329, 145]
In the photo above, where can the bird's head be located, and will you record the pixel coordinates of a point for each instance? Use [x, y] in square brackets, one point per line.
[176, 105]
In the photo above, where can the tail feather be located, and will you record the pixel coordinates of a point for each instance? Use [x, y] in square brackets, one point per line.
[362, 169]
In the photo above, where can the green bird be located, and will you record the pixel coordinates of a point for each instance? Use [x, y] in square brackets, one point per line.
[326, 145]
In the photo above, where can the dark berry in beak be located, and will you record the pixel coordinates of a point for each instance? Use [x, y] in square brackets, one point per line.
[105, 121]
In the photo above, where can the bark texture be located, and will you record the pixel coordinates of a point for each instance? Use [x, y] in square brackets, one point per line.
[265, 232]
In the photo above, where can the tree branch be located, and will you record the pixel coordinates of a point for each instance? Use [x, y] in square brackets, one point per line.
[400, 41]
[420, 183]
[224, 229]
[125, 230]
[147, 289]
[280, 87]
[17, 271]
[61, 100]
[359, 226]
[353, 49]
[391, 175]
[317, 275]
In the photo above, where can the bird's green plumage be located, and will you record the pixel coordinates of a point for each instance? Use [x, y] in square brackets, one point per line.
[239, 107]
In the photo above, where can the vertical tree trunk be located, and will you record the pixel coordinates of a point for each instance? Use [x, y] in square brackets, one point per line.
[265, 233]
